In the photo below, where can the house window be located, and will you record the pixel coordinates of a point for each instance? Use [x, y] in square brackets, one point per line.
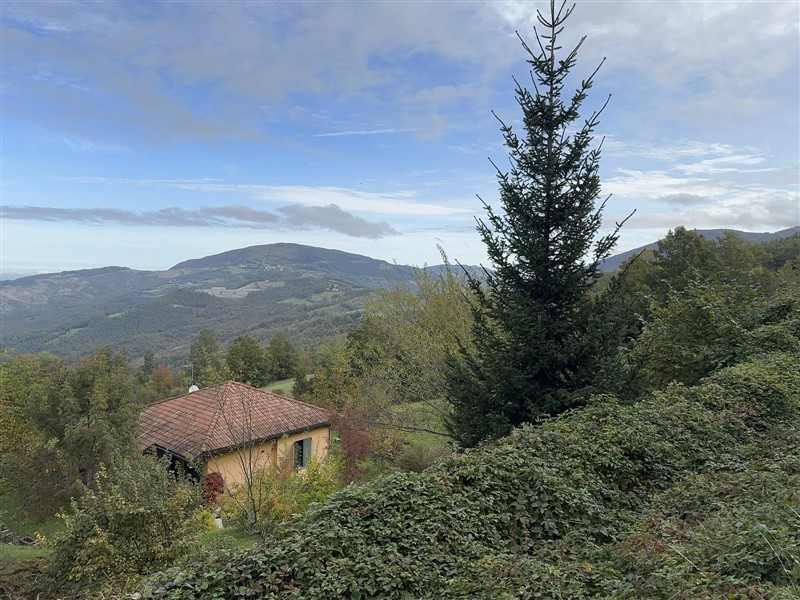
[302, 453]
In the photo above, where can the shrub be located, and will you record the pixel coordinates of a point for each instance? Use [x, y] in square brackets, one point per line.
[280, 492]
[355, 440]
[137, 519]
[213, 487]
[204, 521]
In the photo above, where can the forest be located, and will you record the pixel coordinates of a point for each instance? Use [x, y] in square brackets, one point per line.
[540, 429]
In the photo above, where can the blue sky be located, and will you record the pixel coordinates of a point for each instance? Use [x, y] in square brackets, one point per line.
[144, 134]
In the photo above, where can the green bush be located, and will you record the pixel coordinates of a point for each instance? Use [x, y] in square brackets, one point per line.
[204, 521]
[279, 492]
[543, 512]
[719, 534]
[136, 520]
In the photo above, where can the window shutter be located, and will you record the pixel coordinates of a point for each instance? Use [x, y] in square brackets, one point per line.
[306, 451]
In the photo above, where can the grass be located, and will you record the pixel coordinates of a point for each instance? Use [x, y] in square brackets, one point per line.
[296, 301]
[284, 385]
[313, 299]
[13, 557]
[229, 537]
[423, 448]
[423, 415]
[13, 517]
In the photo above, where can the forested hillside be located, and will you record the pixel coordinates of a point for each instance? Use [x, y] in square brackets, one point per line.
[312, 293]
[613, 263]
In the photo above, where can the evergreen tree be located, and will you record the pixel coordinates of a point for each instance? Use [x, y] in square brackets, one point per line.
[536, 333]
[148, 366]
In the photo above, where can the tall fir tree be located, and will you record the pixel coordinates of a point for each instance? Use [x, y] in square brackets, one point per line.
[537, 334]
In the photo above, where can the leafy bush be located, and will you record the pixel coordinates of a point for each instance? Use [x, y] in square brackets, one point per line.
[204, 521]
[707, 326]
[731, 534]
[213, 486]
[544, 512]
[356, 441]
[280, 492]
[137, 519]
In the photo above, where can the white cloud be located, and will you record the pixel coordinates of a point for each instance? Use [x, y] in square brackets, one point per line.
[329, 217]
[670, 150]
[705, 203]
[655, 184]
[366, 132]
[388, 203]
[723, 164]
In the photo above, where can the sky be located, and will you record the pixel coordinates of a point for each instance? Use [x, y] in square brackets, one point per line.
[141, 134]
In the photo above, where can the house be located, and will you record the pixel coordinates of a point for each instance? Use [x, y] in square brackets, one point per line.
[234, 429]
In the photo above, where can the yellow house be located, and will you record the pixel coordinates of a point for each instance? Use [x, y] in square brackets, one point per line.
[235, 430]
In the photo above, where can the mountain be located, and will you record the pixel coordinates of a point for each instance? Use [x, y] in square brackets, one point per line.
[613, 263]
[310, 293]
[304, 258]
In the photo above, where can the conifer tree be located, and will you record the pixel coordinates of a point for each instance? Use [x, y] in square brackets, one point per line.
[537, 334]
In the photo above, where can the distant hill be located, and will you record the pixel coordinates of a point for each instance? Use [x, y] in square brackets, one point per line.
[615, 262]
[310, 293]
[295, 256]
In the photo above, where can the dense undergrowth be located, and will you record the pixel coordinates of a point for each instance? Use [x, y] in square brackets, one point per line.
[693, 492]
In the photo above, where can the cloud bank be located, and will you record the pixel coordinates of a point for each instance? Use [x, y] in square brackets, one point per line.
[330, 217]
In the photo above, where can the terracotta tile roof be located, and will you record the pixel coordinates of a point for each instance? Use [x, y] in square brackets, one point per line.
[213, 419]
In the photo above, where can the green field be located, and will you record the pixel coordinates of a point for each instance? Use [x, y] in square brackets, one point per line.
[13, 557]
[282, 387]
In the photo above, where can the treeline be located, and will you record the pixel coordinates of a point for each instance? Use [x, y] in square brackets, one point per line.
[245, 360]
[59, 425]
